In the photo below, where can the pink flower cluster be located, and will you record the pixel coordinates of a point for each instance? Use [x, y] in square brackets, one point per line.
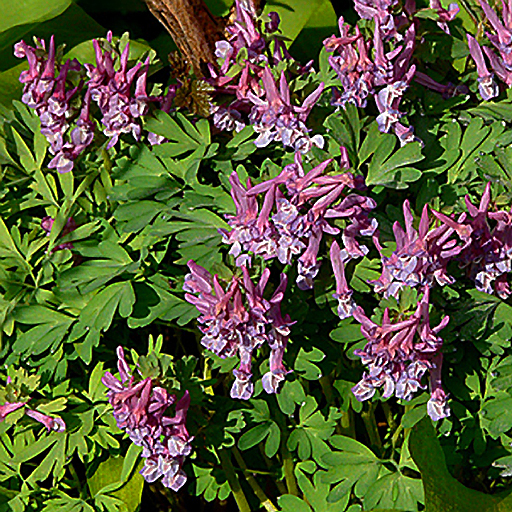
[500, 58]
[46, 89]
[292, 221]
[238, 320]
[361, 76]
[52, 89]
[245, 71]
[485, 251]
[388, 73]
[140, 410]
[398, 354]
[480, 240]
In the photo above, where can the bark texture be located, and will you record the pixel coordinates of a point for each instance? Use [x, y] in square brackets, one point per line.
[193, 28]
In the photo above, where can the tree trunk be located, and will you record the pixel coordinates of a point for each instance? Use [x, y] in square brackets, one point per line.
[193, 28]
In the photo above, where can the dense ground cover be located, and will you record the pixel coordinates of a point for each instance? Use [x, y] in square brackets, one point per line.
[261, 281]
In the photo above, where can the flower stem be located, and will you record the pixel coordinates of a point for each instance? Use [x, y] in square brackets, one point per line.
[258, 491]
[371, 426]
[234, 484]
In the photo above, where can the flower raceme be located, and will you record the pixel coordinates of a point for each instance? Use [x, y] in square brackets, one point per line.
[294, 216]
[500, 58]
[238, 320]
[398, 354]
[53, 90]
[421, 257]
[245, 71]
[485, 252]
[140, 410]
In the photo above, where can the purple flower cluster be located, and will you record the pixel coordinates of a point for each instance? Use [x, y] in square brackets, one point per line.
[291, 224]
[360, 76]
[420, 258]
[486, 252]
[53, 91]
[111, 89]
[245, 64]
[238, 320]
[140, 410]
[479, 240]
[398, 354]
[500, 58]
[388, 74]
[46, 89]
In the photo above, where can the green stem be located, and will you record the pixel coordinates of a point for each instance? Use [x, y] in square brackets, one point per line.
[325, 383]
[389, 416]
[258, 491]
[347, 424]
[371, 426]
[268, 463]
[234, 484]
[288, 466]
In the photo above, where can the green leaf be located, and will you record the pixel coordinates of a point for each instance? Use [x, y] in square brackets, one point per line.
[291, 394]
[442, 491]
[273, 440]
[297, 15]
[320, 25]
[254, 436]
[478, 139]
[96, 390]
[107, 481]
[29, 11]
[305, 363]
[391, 168]
[290, 503]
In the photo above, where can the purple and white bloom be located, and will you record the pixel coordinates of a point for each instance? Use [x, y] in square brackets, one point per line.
[445, 15]
[486, 252]
[46, 89]
[421, 257]
[398, 354]
[238, 320]
[275, 118]
[141, 410]
[361, 75]
[51, 424]
[487, 87]
[303, 203]
[346, 304]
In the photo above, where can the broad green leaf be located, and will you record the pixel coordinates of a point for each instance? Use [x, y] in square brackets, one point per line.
[107, 481]
[290, 503]
[297, 15]
[442, 491]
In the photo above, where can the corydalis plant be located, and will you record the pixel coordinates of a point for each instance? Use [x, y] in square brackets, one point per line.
[399, 353]
[237, 320]
[141, 410]
[52, 90]
[245, 70]
[62, 94]
[421, 256]
[485, 251]
[500, 58]
[294, 216]
[361, 76]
